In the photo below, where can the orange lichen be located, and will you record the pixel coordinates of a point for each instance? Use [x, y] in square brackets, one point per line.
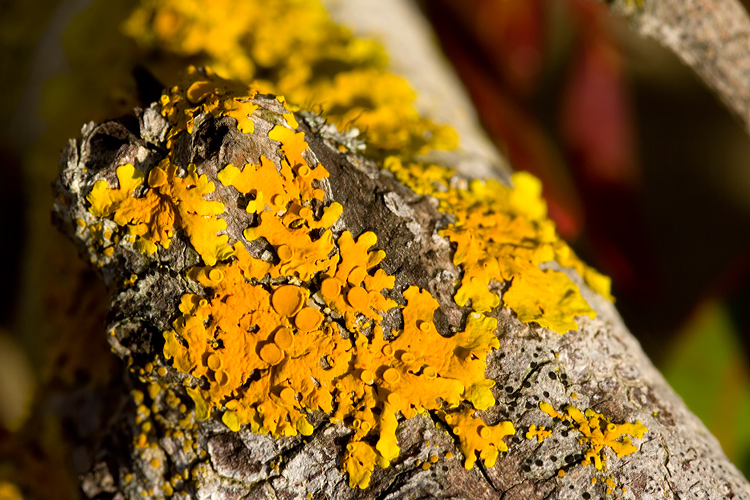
[207, 94]
[154, 425]
[300, 255]
[598, 432]
[276, 190]
[503, 235]
[171, 202]
[301, 361]
[282, 191]
[292, 144]
[350, 290]
[235, 37]
[271, 353]
[364, 374]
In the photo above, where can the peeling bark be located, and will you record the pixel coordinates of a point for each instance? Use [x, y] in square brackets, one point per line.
[601, 363]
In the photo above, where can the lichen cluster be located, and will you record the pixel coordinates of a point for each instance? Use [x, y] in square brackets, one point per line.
[598, 432]
[292, 48]
[276, 339]
[271, 340]
[502, 235]
[170, 203]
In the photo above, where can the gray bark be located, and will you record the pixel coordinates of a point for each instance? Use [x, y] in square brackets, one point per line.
[711, 36]
[602, 363]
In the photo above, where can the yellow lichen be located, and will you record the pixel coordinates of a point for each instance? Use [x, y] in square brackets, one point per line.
[359, 462]
[322, 66]
[241, 40]
[550, 410]
[271, 353]
[170, 202]
[265, 336]
[476, 437]
[362, 375]
[347, 286]
[207, 95]
[503, 235]
[598, 432]
[539, 433]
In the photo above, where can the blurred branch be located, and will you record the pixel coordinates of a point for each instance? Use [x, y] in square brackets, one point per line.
[710, 36]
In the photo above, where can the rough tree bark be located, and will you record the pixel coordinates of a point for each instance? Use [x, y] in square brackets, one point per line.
[601, 363]
[710, 36]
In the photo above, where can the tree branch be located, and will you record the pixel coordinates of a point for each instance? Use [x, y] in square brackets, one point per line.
[710, 36]
[600, 367]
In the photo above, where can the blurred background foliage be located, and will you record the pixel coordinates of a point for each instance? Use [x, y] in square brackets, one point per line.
[644, 170]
